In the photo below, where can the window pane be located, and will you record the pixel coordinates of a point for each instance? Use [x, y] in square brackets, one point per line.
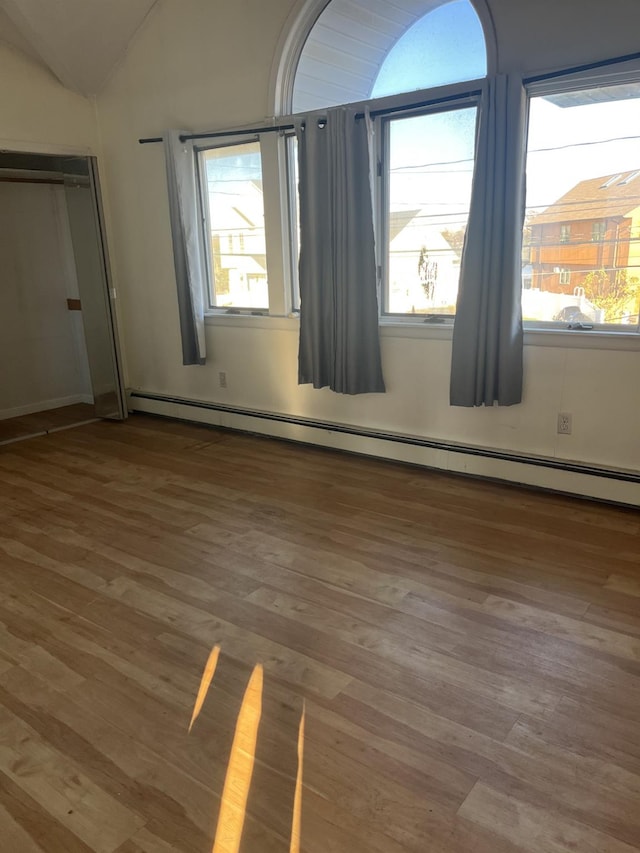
[452, 38]
[236, 223]
[581, 257]
[430, 167]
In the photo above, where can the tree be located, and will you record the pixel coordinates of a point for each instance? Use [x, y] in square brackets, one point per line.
[613, 291]
[427, 273]
[220, 273]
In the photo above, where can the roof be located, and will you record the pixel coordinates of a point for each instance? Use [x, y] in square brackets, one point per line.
[398, 221]
[605, 197]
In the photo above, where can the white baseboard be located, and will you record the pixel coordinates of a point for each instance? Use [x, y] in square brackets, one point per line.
[44, 406]
[557, 475]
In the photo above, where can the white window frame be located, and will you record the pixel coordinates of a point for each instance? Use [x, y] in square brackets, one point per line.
[292, 214]
[275, 221]
[456, 96]
[382, 110]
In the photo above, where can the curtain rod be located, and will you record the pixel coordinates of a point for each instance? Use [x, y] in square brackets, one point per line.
[14, 179]
[536, 78]
[277, 128]
[603, 63]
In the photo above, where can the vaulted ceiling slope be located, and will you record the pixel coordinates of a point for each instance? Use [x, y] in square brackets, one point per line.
[80, 41]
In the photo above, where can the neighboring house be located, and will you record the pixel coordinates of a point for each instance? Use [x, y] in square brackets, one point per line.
[594, 226]
[238, 245]
[410, 239]
[238, 253]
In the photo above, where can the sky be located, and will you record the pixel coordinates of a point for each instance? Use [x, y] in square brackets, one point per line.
[587, 141]
[432, 158]
[445, 46]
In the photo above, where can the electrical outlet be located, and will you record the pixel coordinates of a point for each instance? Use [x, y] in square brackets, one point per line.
[222, 379]
[564, 423]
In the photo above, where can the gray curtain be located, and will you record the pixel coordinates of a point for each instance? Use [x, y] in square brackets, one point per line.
[339, 342]
[486, 363]
[187, 257]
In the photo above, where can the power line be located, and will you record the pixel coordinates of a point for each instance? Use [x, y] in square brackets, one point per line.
[582, 144]
[530, 151]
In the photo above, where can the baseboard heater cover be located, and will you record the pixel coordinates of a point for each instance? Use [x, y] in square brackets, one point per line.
[560, 465]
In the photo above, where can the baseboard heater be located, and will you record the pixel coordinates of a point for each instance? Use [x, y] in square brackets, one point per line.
[560, 465]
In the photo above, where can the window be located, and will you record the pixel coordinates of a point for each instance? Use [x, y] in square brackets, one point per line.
[243, 204]
[630, 178]
[428, 162]
[582, 163]
[358, 50]
[234, 215]
[425, 156]
[451, 36]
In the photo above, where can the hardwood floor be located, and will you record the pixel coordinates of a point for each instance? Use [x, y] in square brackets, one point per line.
[211, 641]
[41, 423]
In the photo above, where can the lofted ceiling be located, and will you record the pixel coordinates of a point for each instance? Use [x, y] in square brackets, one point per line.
[79, 41]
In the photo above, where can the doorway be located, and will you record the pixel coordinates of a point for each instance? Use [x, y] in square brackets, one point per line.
[59, 358]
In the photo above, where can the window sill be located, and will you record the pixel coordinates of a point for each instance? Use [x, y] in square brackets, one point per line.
[253, 321]
[561, 338]
[415, 329]
[575, 339]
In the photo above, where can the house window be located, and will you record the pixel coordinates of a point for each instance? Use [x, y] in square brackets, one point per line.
[428, 162]
[631, 177]
[231, 180]
[579, 179]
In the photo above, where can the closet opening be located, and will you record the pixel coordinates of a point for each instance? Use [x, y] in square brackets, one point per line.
[59, 358]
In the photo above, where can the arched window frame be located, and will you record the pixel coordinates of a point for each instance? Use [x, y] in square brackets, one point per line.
[301, 21]
[383, 110]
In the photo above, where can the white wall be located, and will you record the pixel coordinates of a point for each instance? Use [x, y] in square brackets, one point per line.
[40, 343]
[38, 113]
[201, 65]
[43, 361]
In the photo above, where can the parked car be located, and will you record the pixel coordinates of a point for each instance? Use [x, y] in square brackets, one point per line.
[572, 314]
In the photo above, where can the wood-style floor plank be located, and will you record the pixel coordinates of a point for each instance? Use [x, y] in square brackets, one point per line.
[465, 655]
[50, 420]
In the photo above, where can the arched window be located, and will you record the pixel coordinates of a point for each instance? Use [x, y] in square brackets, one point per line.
[381, 54]
[361, 49]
